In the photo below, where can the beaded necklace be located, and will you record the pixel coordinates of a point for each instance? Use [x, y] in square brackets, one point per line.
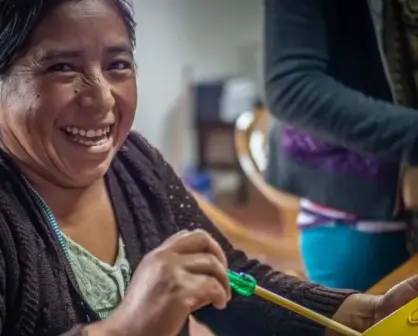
[90, 314]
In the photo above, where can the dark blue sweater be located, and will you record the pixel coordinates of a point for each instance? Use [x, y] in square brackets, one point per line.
[344, 140]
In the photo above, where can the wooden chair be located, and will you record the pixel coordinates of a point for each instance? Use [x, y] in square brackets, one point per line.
[250, 141]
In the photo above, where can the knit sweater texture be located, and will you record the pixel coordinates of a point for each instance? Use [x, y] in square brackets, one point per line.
[38, 291]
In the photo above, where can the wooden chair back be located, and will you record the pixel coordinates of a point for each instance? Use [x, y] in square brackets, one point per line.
[251, 134]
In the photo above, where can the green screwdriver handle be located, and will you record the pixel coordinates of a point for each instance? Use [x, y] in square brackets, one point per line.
[242, 283]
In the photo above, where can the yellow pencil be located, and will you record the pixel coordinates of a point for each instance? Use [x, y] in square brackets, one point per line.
[246, 285]
[305, 312]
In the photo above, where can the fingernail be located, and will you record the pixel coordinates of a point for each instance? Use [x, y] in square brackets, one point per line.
[221, 306]
[183, 231]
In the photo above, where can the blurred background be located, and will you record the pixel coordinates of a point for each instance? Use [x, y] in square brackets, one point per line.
[182, 43]
[200, 68]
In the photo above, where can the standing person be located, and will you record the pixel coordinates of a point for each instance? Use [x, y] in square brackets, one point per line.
[341, 78]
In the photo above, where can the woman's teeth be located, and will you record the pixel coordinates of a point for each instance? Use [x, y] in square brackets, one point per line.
[88, 133]
[88, 137]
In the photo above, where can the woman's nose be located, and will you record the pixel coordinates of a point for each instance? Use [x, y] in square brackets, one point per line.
[96, 94]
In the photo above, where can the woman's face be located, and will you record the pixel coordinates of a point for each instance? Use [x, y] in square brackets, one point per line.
[69, 102]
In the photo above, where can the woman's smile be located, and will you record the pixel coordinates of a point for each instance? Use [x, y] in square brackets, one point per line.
[90, 140]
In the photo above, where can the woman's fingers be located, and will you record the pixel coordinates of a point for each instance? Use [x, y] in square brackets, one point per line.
[203, 259]
[206, 290]
[197, 241]
[175, 236]
[207, 264]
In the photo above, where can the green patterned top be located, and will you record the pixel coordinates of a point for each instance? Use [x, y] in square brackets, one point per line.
[102, 285]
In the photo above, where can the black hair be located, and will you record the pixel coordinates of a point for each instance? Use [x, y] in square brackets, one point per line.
[20, 18]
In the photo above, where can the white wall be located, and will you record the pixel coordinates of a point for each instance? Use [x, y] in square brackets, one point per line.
[205, 35]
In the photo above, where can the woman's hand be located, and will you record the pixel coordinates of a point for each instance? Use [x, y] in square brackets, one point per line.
[187, 272]
[361, 311]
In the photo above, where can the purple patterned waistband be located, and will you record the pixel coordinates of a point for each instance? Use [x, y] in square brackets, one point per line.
[308, 150]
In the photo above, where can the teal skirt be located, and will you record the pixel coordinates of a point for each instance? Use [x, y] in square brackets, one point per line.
[341, 257]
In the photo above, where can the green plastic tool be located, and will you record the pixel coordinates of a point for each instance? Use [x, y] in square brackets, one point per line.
[242, 283]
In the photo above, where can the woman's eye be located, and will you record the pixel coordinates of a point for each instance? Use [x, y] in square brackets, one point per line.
[120, 65]
[61, 67]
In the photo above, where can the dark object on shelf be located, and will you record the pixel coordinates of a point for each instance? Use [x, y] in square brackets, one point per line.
[215, 137]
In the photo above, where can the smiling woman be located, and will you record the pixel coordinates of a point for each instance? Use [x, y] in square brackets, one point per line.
[79, 88]
[98, 236]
